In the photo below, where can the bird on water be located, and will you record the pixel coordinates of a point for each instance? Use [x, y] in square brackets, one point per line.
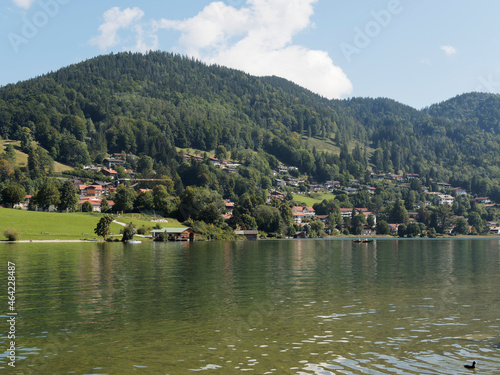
[473, 366]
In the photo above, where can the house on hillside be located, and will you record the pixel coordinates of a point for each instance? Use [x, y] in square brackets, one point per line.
[446, 199]
[229, 206]
[396, 177]
[109, 173]
[349, 190]
[330, 185]
[482, 200]
[280, 183]
[459, 191]
[444, 185]
[276, 194]
[307, 211]
[370, 189]
[111, 162]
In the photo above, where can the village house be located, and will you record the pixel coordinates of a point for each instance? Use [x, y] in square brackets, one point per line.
[394, 228]
[482, 200]
[215, 162]
[315, 188]
[446, 199]
[411, 176]
[495, 230]
[459, 191]
[111, 162]
[298, 217]
[109, 172]
[444, 185]
[23, 205]
[300, 213]
[229, 206]
[190, 157]
[307, 211]
[230, 167]
[330, 185]
[370, 189]
[376, 176]
[349, 190]
[293, 182]
[276, 194]
[280, 183]
[346, 212]
[367, 231]
[96, 203]
[90, 190]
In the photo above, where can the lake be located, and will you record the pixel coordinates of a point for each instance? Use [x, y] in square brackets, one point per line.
[262, 307]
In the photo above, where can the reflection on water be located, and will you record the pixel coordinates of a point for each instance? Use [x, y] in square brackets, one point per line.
[266, 307]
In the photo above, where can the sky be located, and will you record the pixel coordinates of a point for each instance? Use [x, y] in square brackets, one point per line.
[417, 52]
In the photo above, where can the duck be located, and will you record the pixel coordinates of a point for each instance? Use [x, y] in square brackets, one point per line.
[473, 366]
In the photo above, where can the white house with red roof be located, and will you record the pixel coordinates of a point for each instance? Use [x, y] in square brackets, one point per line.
[302, 212]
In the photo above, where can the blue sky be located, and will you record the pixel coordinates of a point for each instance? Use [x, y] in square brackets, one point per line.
[418, 52]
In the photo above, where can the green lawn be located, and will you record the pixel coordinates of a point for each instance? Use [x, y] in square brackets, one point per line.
[66, 226]
[310, 201]
[51, 225]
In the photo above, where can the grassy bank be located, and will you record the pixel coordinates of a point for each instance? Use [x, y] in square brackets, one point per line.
[65, 226]
[51, 225]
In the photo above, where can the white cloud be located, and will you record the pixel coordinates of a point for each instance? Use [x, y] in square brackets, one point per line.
[145, 41]
[258, 39]
[26, 4]
[449, 50]
[114, 20]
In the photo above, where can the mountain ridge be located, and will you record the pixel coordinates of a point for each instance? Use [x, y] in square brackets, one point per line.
[151, 103]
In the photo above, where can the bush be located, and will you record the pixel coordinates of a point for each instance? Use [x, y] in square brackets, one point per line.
[128, 232]
[11, 234]
[144, 230]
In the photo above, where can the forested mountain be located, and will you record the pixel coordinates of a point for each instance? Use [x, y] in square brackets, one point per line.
[149, 104]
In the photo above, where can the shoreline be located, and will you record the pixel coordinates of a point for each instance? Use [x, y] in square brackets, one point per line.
[344, 238]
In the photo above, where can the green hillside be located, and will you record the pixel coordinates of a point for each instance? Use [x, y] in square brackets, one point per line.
[157, 103]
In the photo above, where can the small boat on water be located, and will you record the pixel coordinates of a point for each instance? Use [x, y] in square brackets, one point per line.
[134, 241]
[364, 240]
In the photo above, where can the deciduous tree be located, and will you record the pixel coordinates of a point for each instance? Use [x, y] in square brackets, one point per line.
[103, 226]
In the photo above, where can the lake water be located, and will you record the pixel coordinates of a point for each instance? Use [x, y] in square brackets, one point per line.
[262, 307]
